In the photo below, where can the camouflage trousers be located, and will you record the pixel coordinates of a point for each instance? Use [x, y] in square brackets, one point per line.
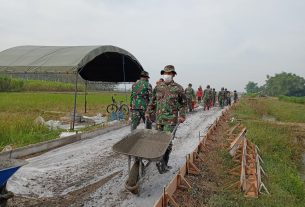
[189, 104]
[207, 104]
[221, 103]
[136, 116]
[166, 128]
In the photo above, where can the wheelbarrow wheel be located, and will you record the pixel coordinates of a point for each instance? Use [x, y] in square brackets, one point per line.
[133, 178]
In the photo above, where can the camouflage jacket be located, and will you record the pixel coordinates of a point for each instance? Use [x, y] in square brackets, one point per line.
[228, 94]
[235, 96]
[214, 94]
[207, 94]
[140, 94]
[190, 93]
[167, 100]
[221, 95]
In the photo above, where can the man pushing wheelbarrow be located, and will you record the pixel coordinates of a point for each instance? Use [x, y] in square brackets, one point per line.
[169, 104]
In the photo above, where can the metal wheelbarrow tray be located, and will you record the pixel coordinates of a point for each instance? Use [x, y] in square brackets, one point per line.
[7, 168]
[147, 144]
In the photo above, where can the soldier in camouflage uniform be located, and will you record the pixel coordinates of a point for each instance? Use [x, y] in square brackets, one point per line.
[228, 97]
[139, 99]
[207, 97]
[225, 97]
[221, 97]
[214, 94]
[169, 103]
[235, 96]
[190, 96]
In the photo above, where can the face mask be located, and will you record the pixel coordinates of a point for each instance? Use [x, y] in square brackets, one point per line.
[167, 78]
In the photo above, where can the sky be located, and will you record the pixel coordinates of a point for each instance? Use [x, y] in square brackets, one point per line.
[224, 43]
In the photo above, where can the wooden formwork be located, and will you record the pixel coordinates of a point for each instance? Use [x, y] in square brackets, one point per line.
[189, 167]
[248, 169]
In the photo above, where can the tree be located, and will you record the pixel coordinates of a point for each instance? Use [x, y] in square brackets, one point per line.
[287, 84]
[252, 87]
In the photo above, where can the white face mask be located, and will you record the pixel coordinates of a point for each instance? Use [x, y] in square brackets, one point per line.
[167, 78]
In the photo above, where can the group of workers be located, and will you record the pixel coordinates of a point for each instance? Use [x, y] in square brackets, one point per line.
[167, 104]
[208, 97]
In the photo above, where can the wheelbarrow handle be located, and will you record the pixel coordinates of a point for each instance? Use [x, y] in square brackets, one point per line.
[175, 130]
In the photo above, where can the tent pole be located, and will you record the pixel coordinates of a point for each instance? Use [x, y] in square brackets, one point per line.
[124, 77]
[75, 94]
[86, 96]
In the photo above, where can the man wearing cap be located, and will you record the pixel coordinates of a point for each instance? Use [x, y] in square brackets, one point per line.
[169, 103]
[190, 96]
[207, 97]
[214, 97]
[235, 96]
[139, 99]
[221, 97]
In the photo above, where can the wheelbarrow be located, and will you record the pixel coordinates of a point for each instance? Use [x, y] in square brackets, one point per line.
[144, 145]
[7, 168]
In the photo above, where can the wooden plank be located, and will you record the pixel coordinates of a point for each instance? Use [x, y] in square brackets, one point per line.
[172, 186]
[171, 200]
[182, 182]
[237, 139]
[183, 169]
[237, 142]
[159, 203]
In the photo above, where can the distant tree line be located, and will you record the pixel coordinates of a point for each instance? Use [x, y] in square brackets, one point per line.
[282, 84]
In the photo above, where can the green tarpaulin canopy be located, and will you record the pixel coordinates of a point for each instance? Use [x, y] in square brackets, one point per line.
[94, 63]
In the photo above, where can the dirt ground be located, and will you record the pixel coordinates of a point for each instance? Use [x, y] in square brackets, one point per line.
[213, 175]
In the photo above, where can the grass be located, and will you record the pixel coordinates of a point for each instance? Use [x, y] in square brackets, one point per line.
[19, 110]
[293, 99]
[16, 85]
[280, 150]
[255, 108]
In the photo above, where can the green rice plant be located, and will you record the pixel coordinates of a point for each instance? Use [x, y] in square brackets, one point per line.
[41, 85]
[11, 84]
[19, 110]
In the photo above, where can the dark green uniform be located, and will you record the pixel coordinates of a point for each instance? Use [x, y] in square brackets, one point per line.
[190, 96]
[214, 96]
[207, 98]
[139, 100]
[221, 98]
[235, 96]
[168, 103]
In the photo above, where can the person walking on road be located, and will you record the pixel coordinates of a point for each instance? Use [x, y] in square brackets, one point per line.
[190, 96]
[235, 96]
[214, 94]
[221, 97]
[199, 94]
[207, 98]
[139, 99]
[169, 103]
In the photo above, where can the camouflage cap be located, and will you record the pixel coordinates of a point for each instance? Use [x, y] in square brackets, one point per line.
[144, 74]
[168, 68]
[190, 84]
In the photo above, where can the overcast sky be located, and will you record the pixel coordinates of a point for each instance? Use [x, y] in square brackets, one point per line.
[217, 42]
